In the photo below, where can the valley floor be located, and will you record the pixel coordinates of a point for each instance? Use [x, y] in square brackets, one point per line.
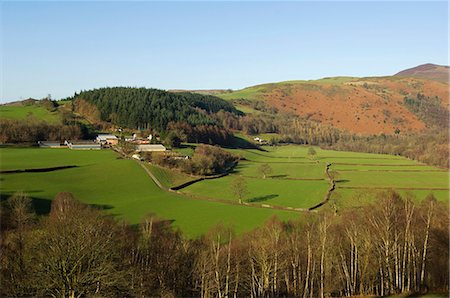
[123, 188]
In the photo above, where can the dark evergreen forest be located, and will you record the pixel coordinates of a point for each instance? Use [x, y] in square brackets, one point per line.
[142, 108]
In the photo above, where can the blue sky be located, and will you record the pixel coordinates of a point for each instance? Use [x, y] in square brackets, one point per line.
[58, 48]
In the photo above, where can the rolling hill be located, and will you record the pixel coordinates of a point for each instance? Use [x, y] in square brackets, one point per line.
[427, 71]
[371, 105]
[409, 102]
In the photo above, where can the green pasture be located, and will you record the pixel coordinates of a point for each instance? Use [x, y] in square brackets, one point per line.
[385, 168]
[256, 92]
[121, 187]
[394, 179]
[251, 93]
[21, 112]
[169, 178]
[277, 192]
[283, 170]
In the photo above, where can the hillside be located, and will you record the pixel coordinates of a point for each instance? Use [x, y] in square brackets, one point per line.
[148, 108]
[371, 105]
[427, 71]
[31, 109]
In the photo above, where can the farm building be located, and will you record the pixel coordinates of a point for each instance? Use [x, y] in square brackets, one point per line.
[83, 145]
[150, 148]
[45, 144]
[107, 139]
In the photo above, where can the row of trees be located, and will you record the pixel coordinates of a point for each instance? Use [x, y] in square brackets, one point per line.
[31, 131]
[430, 147]
[290, 129]
[393, 246]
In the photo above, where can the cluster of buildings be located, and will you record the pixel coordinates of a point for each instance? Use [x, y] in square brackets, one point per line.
[104, 141]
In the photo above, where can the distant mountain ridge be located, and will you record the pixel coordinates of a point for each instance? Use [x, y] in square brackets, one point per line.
[410, 101]
[427, 71]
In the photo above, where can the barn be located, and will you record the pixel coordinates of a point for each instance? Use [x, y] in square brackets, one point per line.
[150, 148]
[83, 145]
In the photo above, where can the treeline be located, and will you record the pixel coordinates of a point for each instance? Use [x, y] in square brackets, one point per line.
[206, 160]
[291, 129]
[431, 147]
[206, 134]
[30, 131]
[142, 108]
[393, 246]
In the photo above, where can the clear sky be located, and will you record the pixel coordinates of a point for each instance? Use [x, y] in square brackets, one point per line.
[58, 48]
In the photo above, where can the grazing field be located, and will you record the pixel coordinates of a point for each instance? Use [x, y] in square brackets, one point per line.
[168, 178]
[123, 188]
[21, 112]
[359, 176]
[277, 192]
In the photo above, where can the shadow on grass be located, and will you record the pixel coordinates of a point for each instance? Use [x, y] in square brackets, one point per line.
[101, 206]
[277, 176]
[238, 168]
[42, 206]
[40, 170]
[262, 198]
[342, 181]
[240, 143]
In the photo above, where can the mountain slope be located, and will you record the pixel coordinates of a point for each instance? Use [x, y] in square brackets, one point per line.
[427, 71]
[359, 105]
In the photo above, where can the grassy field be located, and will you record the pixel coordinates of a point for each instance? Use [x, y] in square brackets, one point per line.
[168, 178]
[21, 112]
[277, 192]
[123, 188]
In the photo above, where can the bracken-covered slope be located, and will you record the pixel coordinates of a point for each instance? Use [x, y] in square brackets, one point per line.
[372, 105]
[427, 71]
